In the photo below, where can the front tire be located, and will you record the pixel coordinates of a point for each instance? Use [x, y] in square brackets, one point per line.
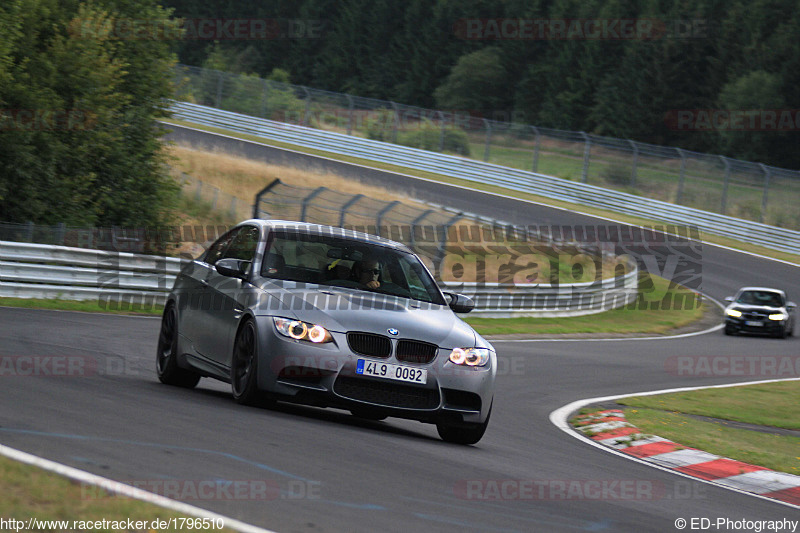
[167, 354]
[463, 433]
[244, 366]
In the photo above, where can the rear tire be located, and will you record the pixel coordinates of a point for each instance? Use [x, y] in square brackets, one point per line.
[463, 433]
[167, 354]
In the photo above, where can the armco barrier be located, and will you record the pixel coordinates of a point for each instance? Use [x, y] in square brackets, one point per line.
[489, 174]
[130, 280]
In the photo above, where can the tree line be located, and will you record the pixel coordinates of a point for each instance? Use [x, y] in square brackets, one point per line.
[679, 73]
[79, 141]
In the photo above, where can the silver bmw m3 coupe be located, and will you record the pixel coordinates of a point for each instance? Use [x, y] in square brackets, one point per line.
[329, 317]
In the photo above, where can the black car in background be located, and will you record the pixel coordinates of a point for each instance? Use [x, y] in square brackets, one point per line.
[759, 310]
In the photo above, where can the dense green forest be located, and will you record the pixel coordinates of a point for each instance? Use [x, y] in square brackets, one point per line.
[79, 141]
[457, 54]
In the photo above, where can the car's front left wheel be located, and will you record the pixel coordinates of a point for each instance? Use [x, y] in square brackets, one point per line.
[167, 355]
[244, 366]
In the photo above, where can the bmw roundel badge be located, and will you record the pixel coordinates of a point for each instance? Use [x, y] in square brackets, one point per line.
[393, 331]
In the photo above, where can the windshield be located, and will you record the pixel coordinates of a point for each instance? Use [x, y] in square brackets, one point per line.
[766, 298]
[341, 262]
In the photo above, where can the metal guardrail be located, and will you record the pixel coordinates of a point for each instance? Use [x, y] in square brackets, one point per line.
[125, 280]
[490, 174]
[118, 279]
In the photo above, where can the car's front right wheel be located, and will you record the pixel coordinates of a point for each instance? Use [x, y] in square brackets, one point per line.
[463, 433]
[244, 366]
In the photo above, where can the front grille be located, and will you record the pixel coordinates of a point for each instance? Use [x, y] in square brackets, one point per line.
[369, 344]
[416, 351]
[388, 394]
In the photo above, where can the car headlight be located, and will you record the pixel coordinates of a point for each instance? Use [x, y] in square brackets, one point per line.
[734, 313]
[301, 331]
[778, 316]
[470, 356]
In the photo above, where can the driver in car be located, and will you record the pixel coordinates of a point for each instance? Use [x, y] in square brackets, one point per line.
[367, 273]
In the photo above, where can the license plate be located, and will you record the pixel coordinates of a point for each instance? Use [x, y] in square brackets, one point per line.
[753, 323]
[389, 371]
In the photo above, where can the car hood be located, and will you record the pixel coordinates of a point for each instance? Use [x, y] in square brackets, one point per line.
[342, 310]
[752, 308]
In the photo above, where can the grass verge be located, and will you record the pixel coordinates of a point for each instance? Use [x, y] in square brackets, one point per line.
[766, 404]
[30, 492]
[627, 219]
[655, 319]
[777, 452]
[86, 306]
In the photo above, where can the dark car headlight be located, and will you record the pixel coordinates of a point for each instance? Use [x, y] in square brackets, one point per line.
[301, 331]
[470, 356]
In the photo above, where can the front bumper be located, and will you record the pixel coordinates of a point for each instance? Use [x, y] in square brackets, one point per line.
[325, 375]
[765, 326]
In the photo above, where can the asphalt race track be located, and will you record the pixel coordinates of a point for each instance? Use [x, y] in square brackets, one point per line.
[332, 472]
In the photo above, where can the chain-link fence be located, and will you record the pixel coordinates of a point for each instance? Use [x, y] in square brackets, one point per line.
[713, 183]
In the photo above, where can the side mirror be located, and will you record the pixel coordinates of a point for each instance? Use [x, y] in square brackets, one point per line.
[729, 298]
[791, 306]
[459, 303]
[232, 268]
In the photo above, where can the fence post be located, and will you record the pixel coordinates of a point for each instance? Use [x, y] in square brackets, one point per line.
[396, 121]
[349, 114]
[219, 89]
[259, 194]
[379, 217]
[443, 244]
[488, 139]
[308, 106]
[214, 199]
[441, 137]
[587, 152]
[61, 230]
[413, 239]
[725, 183]
[308, 199]
[635, 161]
[264, 97]
[347, 206]
[767, 175]
[233, 207]
[536, 149]
[682, 175]
[199, 190]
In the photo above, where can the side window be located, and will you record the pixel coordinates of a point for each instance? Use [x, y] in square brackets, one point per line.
[217, 250]
[244, 244]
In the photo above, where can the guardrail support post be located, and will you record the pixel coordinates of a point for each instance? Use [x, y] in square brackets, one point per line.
[219, 89]
[307, 200]
[379, 216]
[488, 139]
[347, 206]
[635, 162]
[587, 153]
[725, 183]
[682, 175]
[536, 148]
[259, 194]
[767, 175]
